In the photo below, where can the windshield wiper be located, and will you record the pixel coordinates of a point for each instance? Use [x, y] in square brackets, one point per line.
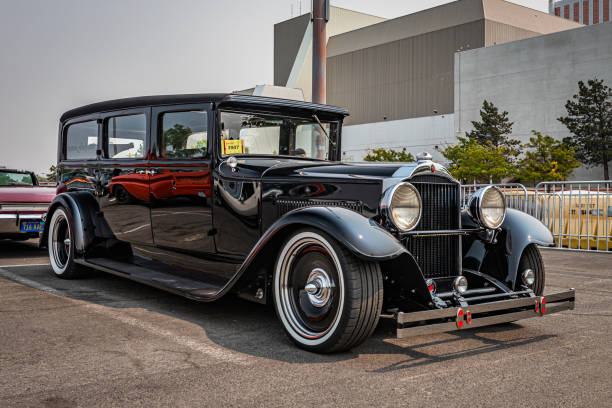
[323, 129]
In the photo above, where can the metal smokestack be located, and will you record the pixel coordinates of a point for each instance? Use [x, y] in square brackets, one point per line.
[320, 17]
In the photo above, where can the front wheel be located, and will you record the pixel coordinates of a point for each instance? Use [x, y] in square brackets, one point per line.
[326, 298]
[531, 259]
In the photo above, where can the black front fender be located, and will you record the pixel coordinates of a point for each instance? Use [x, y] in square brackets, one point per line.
[523, 230]
[359, 234]
[518, 231]
[362, 236]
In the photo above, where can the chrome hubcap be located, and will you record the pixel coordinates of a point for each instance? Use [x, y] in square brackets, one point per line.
[528, 277]
[318, 287]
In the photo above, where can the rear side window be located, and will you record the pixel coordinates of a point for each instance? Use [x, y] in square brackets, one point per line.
[125, 136]
[82, 140]
[184, 135]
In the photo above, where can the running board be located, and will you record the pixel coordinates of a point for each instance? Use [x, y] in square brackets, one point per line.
[483, 314]
[189, 288]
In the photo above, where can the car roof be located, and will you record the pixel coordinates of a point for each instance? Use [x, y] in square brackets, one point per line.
[217, 98]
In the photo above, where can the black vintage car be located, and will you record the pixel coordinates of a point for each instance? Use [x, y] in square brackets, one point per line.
[206, 195]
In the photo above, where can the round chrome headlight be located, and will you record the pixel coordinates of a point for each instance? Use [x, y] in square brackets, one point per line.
[460, 285]
[402, 204]
[487, 207]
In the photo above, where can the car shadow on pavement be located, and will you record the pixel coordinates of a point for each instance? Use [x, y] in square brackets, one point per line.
[422, 351]
[254, 330]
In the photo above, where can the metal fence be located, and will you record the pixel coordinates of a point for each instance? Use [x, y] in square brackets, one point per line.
[579, 213]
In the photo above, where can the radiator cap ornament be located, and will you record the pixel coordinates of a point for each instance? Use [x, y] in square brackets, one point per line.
[423, 156]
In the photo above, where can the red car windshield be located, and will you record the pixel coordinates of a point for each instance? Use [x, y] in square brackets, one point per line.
[15, 179]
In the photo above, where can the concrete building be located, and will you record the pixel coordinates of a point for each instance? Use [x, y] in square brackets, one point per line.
[532, 79]
[582, 11]
[293, 45]
[417, 82]
[403, 68]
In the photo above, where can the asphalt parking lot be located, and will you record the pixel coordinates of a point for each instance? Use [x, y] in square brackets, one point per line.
[106, 341]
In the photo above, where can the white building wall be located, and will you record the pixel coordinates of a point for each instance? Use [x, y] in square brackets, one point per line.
[532, 79]
[414, 135]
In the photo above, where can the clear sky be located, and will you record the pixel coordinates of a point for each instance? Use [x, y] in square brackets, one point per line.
[59, 54]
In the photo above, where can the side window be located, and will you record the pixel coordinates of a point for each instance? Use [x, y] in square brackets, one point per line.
[184, 135]
[82, 140]
[125, 136]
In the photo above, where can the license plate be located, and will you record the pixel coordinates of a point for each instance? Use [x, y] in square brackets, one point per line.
[32, 226]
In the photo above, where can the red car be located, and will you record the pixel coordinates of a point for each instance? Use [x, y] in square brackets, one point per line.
[23, 204]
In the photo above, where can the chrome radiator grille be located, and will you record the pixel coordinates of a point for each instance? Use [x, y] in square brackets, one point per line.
[438, 256]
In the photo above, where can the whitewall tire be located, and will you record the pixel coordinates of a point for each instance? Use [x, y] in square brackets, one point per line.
[326, 298]
[60, 243]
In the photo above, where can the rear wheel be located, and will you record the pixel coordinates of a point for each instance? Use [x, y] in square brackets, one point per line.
[61, 245]
[531, 259]
[326, 298]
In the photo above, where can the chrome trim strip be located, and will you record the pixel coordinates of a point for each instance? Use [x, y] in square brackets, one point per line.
[463, 231]
[21, 216]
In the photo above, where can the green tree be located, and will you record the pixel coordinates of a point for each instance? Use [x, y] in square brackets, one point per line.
[589, 119]
[494, 128]
[472, 161]
[547, 160]
[176, 137]
[51, 175]
[388, 155]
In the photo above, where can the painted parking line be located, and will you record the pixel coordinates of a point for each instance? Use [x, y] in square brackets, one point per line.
[21, 265]
[211, 350]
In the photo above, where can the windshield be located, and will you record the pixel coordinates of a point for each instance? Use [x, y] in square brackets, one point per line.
[15, 179]
[257, 134]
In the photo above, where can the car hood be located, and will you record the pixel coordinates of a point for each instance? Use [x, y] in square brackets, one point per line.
[25, 194]
[353, 171]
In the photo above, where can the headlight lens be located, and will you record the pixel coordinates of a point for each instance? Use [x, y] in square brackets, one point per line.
[405, 206]
[488, 207]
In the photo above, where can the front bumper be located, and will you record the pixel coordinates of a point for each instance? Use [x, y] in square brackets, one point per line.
[483, 314]
[10, 224]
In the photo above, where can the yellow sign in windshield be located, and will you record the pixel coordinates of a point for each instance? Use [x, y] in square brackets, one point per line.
[233, 146]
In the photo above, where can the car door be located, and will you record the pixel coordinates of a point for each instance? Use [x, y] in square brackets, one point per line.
[123, 195]
[180, 179]
[237, 192]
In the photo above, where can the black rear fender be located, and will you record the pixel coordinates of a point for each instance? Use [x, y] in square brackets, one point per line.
[84, 209]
